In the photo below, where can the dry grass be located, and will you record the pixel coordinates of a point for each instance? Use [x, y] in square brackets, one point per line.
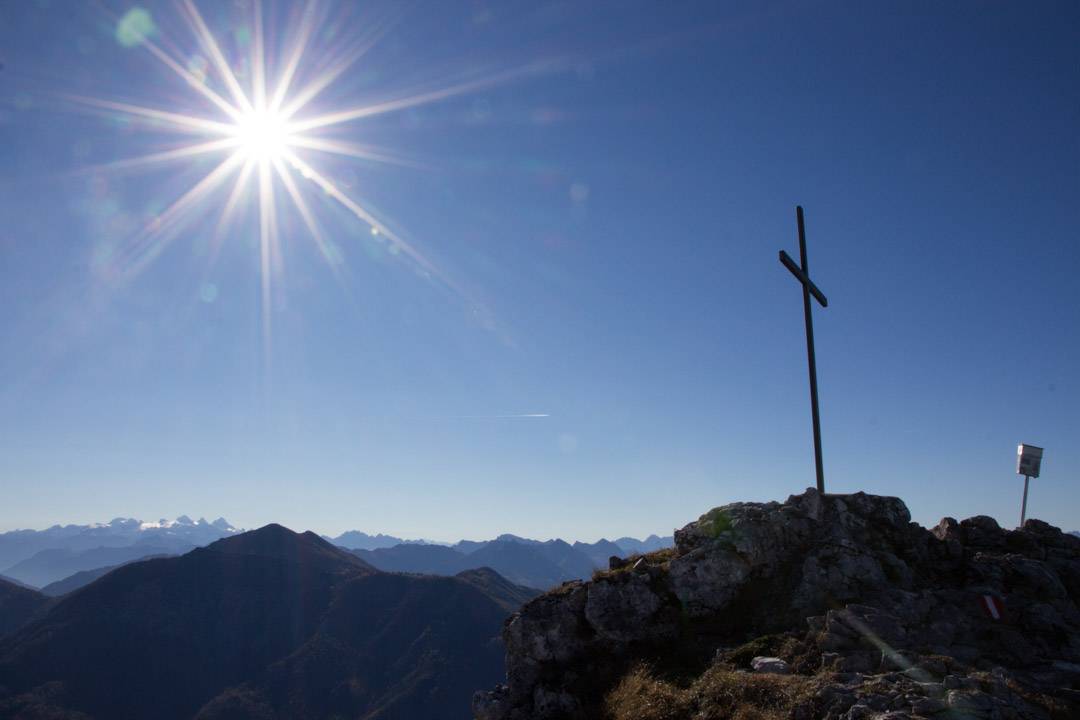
[564, 588]
[1055, 708]
[659, 558]
[719, 694]
[641, 697]
[786, 647]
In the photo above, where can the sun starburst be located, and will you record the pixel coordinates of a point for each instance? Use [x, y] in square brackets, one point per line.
[264, 132]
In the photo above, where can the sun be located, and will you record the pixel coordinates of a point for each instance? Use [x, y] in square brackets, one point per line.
[263, 136]
[258, 122]
[257, 117]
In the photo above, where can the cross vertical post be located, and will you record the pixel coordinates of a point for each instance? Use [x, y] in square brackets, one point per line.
[802, 274]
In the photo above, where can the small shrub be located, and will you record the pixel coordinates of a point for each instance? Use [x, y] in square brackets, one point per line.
[716, 522]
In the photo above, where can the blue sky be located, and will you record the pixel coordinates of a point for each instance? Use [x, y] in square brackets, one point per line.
[603, 227]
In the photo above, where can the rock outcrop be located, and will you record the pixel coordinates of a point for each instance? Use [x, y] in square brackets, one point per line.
[841, 597]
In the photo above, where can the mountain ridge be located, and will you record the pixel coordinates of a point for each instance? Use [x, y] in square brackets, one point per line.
[268, 619]
[177, 535]
[55, 564]
[532, 563]
[18, 605]
[65, 557]
[82, 578]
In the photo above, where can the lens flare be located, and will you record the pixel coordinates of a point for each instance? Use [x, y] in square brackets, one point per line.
[255, 128]
[262, 128]
[260, 124]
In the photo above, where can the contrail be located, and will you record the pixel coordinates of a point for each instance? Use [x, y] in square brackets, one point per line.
[502, 417]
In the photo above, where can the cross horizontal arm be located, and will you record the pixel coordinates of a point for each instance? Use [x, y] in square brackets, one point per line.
[801, 277]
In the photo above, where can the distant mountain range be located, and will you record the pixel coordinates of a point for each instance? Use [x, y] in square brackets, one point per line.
[268, 623]
[63, 558]
[39, 557]
[532, 563]
[537, 565]
[650, 544]
[356, 540]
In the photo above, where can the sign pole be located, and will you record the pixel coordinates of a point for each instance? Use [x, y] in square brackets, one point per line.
[1023, 506]
[1028, 463]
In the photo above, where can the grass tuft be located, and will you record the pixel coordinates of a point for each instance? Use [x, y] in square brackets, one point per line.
[658, 558]
[719, 694]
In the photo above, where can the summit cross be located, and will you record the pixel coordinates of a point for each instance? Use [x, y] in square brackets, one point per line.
[802, 274]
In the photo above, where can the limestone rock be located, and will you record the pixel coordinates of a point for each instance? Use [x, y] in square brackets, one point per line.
[775, 665]
[706, 579]
[887, 617]
[624, 607]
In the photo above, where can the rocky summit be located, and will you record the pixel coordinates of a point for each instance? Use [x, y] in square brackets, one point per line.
[824, 606]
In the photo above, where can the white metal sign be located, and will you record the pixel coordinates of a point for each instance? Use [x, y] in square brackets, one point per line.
[1028, 460]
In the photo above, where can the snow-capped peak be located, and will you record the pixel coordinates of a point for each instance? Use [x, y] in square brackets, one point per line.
[223, 525]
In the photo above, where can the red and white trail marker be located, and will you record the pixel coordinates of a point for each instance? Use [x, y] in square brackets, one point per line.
[993, 607]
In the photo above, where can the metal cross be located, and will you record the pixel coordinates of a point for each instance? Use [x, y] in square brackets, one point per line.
[802, 274]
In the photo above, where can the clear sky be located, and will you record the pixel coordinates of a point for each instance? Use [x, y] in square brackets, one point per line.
[594, 336]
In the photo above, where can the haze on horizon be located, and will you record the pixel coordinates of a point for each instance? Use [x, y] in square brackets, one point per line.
[563, 315]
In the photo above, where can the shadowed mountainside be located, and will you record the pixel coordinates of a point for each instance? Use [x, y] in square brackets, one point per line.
[84, 577]
[56, 564]
[17, 583]
[540, 565]
[17, 605]
[495, 586]
[269, 621]
[427, 559]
